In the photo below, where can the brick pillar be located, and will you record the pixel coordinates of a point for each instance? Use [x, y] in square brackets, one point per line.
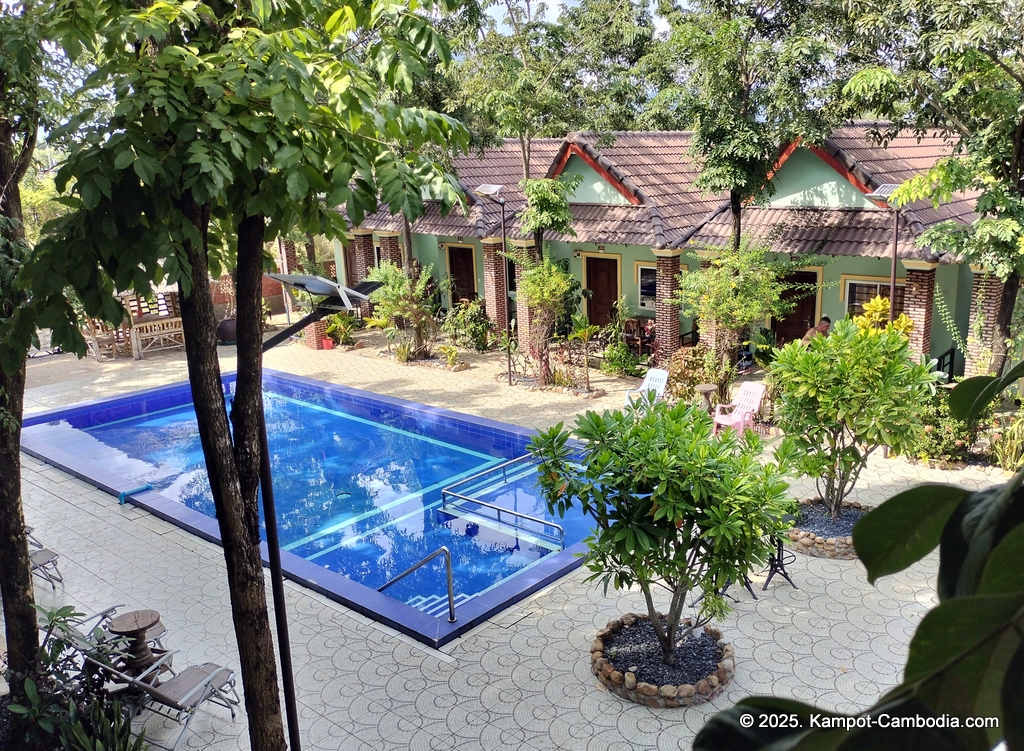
[389, 249]
[287, 259]
[495, 296]
[666, 317]
[315, 334]
[918, 299]
[985, 294]
[363, 258]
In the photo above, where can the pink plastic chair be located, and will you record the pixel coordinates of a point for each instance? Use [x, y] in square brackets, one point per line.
[742, 411]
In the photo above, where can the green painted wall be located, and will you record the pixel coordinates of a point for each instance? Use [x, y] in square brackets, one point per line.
[594, 188]
[949, 286]
[805, 180]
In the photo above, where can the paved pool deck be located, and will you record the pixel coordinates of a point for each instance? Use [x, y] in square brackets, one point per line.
[522, 679]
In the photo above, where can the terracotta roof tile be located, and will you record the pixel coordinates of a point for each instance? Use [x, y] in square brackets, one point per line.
[830, 232]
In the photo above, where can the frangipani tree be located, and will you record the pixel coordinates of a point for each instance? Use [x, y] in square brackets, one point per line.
[676, 509]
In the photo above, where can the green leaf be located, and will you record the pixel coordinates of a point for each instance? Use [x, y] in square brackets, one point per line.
[1004, 571]
[955, 628]
[905, 528]
[1012, 700]
[297, 184]
[124, 158]
[971, 396]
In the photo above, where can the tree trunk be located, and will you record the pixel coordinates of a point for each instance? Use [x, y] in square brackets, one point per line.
[234, 470]
[20, 625]
[736, 208]
[1004, 317]
[22, 631]
[407, 249]
[538, 245]
[310, 249]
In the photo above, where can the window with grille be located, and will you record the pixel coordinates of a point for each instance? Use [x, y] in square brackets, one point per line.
[858, 293]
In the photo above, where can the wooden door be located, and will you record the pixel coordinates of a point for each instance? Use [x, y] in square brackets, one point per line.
[801, 318]
[603, 282]
[460, 267]
[350, 266]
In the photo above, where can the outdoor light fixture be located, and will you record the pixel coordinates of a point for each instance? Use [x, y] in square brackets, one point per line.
[883, 193]
[336, 298]
[490, 192]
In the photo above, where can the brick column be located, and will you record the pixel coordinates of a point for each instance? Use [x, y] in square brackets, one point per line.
[287, 259]
[985, 293]
[363, 258]
[918, 300]
[315, 334]
[495, 294]
[389, 249]
[666, 317]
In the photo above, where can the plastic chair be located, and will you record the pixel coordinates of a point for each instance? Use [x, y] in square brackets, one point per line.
[740, 414]
[655, 380]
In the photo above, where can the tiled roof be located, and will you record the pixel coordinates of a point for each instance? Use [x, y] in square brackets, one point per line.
[830, 232]
[654, 167]
[656, 170]
[900, 159]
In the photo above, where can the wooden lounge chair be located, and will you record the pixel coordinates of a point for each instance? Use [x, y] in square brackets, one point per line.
[655, 381]
[178, 697]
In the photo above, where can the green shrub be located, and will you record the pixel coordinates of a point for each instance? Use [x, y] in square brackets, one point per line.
[842, 396]
[340, 327]
[690, 366]
[1008, 444]
[943, 437]
[675, 508]
[451, 354]
[468, 326]
[405, 350]
[618, 360]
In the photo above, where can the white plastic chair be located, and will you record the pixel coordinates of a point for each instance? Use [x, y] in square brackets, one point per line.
[655, 381]
[742, 411]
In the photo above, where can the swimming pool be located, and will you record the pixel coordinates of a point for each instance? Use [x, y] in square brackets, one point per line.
[365, 487]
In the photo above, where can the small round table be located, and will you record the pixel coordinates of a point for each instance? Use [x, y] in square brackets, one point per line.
[133, 626]
[705, 390]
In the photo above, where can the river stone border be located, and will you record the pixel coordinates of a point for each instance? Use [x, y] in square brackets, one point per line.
[625, 685]
[814, 545]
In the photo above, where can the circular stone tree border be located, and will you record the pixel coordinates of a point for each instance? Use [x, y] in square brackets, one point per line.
[625, 685]
[817, 546]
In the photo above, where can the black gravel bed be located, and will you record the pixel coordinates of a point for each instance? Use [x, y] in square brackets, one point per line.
[817, 519]
[637, 647]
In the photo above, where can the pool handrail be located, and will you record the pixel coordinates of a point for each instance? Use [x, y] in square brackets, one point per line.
[503, 467]
[560, 538]
[448, 575]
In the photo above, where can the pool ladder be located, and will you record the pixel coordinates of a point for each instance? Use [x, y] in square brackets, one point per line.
[448, 575]
[557, 534]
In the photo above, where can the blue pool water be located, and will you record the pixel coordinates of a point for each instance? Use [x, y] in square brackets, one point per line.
[358, 484]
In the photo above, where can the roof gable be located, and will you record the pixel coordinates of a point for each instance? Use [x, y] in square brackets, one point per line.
[594, 187]
[805, 179]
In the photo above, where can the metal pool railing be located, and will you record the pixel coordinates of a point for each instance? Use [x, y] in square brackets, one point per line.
[449, 497]
[448, 576]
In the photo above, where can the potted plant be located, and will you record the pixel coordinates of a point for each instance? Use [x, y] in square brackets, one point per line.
[676, 510]
[339, 330]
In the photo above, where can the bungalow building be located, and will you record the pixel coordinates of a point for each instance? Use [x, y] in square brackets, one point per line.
[639, 222]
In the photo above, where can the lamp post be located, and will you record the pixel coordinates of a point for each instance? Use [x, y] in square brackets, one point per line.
[884, 193]
[490, 192]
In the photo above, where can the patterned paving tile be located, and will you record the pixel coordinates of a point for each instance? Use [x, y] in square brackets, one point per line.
[520, 680]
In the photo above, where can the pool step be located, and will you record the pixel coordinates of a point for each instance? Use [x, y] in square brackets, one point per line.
[436, 605]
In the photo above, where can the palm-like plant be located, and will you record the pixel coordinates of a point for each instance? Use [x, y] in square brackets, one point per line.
[583, 331]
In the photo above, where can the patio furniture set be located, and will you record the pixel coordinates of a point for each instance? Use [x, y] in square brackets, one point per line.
[152, 324]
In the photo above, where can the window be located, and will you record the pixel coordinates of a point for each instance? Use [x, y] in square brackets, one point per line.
[858, 293]
[648, 282]
[510, 274]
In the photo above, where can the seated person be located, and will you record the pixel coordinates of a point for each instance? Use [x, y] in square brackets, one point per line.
[647, 334]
